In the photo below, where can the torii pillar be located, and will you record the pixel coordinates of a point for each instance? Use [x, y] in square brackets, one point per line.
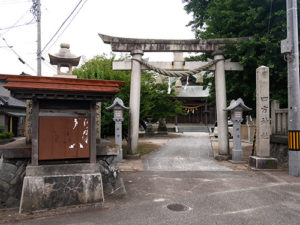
[134, 104]
[220, 86]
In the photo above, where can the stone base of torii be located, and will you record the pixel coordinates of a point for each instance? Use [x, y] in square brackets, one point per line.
[137, 47]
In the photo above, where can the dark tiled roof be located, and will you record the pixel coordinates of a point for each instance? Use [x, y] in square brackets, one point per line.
[7, 100]
[11, 102]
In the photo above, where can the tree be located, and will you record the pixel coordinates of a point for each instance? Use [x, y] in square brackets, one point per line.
[155, 102]
[264, 21]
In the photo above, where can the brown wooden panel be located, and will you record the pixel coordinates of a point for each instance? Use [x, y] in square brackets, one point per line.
[64, 138]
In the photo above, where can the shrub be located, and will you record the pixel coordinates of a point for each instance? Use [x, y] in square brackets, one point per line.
[5, 135]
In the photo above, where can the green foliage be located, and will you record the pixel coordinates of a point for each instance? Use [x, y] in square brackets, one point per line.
[264, 21]
[4, 135]
[155, 102]
[2, 129]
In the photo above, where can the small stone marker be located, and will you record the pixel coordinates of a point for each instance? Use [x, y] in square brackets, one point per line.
[118, 108]
[262, 159]
[149, 132]
[237, 107]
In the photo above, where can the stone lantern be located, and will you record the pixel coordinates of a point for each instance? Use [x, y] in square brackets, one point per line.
[237, 107]
[64, 58]
[118, 108]
[178, 83]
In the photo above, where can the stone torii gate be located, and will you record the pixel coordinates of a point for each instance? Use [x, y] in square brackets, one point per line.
[137, 47]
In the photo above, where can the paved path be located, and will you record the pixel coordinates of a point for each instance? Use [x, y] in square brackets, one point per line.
[189, 152]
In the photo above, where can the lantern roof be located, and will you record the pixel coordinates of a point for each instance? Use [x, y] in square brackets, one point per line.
[237, 104]
[118, 103]
[64, 56]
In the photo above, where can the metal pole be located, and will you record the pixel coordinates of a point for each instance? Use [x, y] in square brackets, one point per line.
[290, 46]
[39, 54]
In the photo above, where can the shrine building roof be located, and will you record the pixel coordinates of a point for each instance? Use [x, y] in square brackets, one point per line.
[39, 87]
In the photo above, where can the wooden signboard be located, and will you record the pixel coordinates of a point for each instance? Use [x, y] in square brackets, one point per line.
[64, 138]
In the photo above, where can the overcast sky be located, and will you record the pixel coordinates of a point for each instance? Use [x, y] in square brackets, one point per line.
[165, 19]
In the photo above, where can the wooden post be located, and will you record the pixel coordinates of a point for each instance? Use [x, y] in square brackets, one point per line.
[35, 133]
[93, 154]
[11, 124]
[206, 112]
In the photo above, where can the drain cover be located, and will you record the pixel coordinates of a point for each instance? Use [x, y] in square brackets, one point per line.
[177, 207]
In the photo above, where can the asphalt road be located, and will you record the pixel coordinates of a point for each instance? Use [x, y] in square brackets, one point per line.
[223, 198]
[182, 173]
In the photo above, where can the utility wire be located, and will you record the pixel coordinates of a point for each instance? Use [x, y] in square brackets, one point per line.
[67, 26]
[16, 22]
[10, 2]
[62, 25]
[19, 57]
[47, 63]
[20, 25]
[49, 66]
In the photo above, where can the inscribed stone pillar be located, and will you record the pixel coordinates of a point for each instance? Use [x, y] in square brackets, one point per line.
[262, 112]
[98, 122]
[221, 103]
[135, 92]
[28, 122]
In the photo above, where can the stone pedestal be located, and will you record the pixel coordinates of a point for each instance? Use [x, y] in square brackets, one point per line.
[237, 156]
[52, 186]
[262, 163]
[65, 76]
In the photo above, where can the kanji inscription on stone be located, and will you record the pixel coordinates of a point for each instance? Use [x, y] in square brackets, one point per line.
[262, 112]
